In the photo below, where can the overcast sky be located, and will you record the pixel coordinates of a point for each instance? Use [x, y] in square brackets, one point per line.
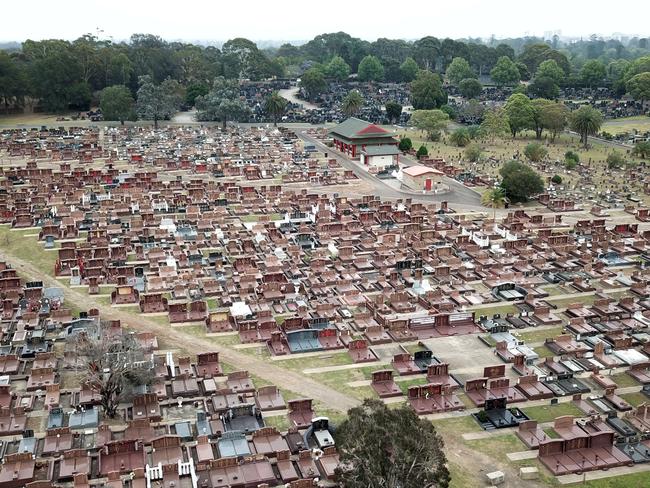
[219, 20]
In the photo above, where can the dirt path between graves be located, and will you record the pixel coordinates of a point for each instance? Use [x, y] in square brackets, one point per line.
[265, 370]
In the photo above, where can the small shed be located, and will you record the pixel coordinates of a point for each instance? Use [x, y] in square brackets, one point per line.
[421, 177]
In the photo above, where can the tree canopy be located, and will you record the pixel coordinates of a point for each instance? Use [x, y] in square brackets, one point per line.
[586, 121]
[222, 103]
[338, 69]
[470, 88]
[371, 69]
[157, 101]
[520, 181]
[313, 81]
[519, 110]
[117, 103]
[427, 92]
[458, 70]
[505, 72]
[392, 447]
[433, 122]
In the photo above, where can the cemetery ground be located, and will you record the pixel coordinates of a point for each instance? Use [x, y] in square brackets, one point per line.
[333, 380]
[639, 123]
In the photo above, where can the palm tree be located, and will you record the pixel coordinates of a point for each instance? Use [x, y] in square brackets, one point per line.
[275, 106]
[586, 121]
[494, 198]
[352, 103]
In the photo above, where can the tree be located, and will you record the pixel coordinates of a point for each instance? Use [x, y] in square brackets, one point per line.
[642, 149]
[114, 365]
[409, 70]
[554, 118]
[544, 87]
[520, 113]
[534, 54]
[338, 69]
[275, 105]
[426, 52]
[639, 87]
[157, 102]
[427, 92]
[615, 160]
[495, 123]
[550, 69]
[422, 151]
[557, 179]
[313, 81]
[393, 110]
[538, 105]
[405, 144]
[535, 151]
[524, 74]
[586, 121]
[505, 72]
[352, 103]
[460, 137]
[389, 447]
[571, 160]
[458, 70]
[593, 73]
[430, 121]
[222, 103]
[494, 198]
[117, 103]
[195, 90]
[520, 181]
[470, 87]
[371, 69]
[473, 153]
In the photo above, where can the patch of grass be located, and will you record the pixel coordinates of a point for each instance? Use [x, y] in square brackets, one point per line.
[550, 432]
[635, 399]
[456, 426]
[544, 352]
[623, 481]
[405, 385]
[280, 422]
[502, 310]
[299, 364]
[564, 302]
[534, 335]
[498, 446]
[339, 381]
[623, 380]
[548, 413]
[27, 248]
[460, 476]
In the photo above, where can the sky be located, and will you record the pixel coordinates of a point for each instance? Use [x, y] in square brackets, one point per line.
[279, 20]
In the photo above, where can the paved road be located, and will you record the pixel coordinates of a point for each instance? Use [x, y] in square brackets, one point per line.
[291, 95]
[459, 196]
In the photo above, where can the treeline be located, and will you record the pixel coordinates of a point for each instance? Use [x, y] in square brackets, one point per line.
[60, 75]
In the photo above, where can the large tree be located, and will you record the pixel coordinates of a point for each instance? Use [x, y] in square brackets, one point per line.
[550, 69]
[593, 73]
[393, 110]
[520, 181]
[352, 103]
[409, 70]
[470, 87]
[389, 447]
[639, 87]
[544, 87]
[430, 121]
[371, 69]
[313, 82]
[586, 121]
[114, 365]
[458, 70]
[338, 69]
[505, 72]
[13, 81]
[494, 198]
[117, 103]
[554, 118]
[519, 110]
[222, 103]
[275, 105]
[157, 101]
[495, 123]
[427, 92]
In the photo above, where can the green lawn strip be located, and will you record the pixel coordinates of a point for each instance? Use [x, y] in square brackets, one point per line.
[301, 363]
[498, 446]
[544, 352]
[623, 380]
[548, 413]
[534, 335]
[635, 399]
[28, 248]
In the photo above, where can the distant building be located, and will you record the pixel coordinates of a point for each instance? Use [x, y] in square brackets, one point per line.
[421, 177]
[369, 142]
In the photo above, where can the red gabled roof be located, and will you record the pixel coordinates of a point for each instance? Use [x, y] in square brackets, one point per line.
[372, 129]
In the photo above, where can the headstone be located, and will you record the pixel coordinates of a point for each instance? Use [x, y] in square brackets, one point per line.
[495, 478]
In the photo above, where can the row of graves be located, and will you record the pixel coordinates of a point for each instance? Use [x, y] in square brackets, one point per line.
[190, 424]
[600, 338]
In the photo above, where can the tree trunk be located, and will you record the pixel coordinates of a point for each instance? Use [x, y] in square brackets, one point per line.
[155, 122]
[121, 121]
[538, 132]
[224, 122]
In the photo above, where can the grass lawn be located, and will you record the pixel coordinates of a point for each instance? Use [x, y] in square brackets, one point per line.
[534, 335]
[623, 380]
[339, 381]
[405, 385]
[457, 426]
[498, 446]
[635, 399]
[625, 481]
[548, 413]
[564, 302]
[544, 352]
[550, 432]
[626, 125]
[200, 331]
[28, 248]
[280, 422]
[299, 364]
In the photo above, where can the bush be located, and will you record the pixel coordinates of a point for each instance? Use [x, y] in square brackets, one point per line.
[642, 149]
[460, 137]
[615, 160]
[449, 110]
[535, 151]
[557, 179]
[473, 153]
[571, 160]
[405, 144]
[474, 131]
[520, 181]
[423, 151]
